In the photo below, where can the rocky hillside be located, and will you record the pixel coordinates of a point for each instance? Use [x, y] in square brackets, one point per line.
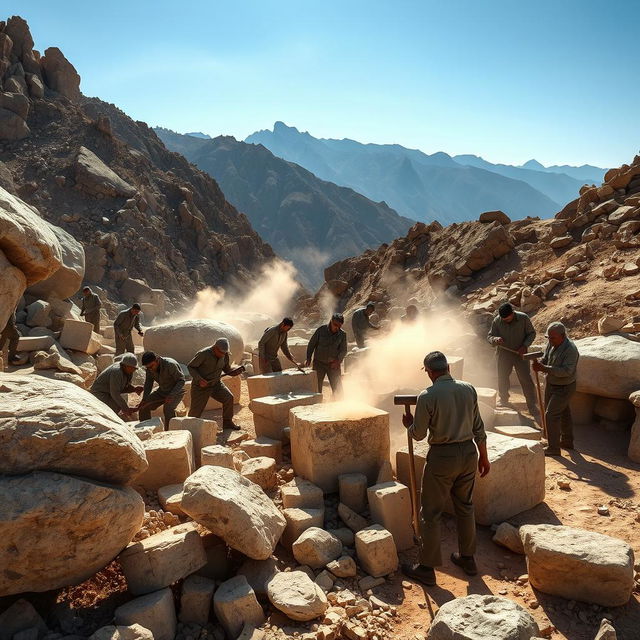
[306, 220]
[580, 265]
[140, 211]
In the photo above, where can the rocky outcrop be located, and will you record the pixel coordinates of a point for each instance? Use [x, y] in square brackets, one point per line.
[96, 178]
[60, 75]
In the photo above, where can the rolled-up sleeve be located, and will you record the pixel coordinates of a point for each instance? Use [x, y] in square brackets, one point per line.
[493, 332]
[116, 386]
[422, 419]
[479, 434]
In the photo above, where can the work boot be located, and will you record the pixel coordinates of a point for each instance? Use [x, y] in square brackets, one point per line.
[505, 404]
[421, 573]
[467, 563]
[548, 451]
[229, 424]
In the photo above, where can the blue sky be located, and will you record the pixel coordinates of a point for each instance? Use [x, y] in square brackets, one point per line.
[509, 80]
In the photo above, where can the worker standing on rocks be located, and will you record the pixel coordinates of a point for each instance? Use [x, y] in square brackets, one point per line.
[206, 369]
[327, 348]
[512, 333]
[168, 374]
[559, 364]
[361, 324]
[115, 380]
[274, 339]
[91, 305]
[126, 321]
[448, 413]
[11, 334]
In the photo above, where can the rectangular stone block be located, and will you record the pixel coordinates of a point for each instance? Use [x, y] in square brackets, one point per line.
[271, 413]
[390, 506]
[35, 343]
[170, 458]
[76, 335]
[352, 488]
[235, 605]
[202, 431]
[288, 381]
[103, 361]
[376, 551]
[298, 348]
[333, 438]
[514, 484]
[218, 456]
[506, 417]
[195, 600]
[170, 498]
[298, 521]
[155, 424]
[108, 332]
[154, 611]
[487, 395]
[234, 384]
[302, 494]
[520, 431]
[263, 446]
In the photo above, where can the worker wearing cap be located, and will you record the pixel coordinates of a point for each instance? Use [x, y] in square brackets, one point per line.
[115, 380]
[167, 373]
[447, 413]
[91, 305]
[126, 321]
[361, 324]
[327, 348]
[11, 334]
[274, 339]
[559, 364]
[206, 369]
[511, 331]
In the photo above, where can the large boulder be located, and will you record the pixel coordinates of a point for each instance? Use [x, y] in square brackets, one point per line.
[12, 285]
[56, 426]
[297, 596]
[58, 530]
[578, 564]
[181, 340]
[235, 509]
[60, 75]
[95, 177]
[609, 366]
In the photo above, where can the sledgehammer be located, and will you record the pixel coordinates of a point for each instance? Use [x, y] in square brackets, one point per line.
[407, 401]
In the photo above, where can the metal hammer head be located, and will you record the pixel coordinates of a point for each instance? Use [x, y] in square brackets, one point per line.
[534, 355]
[406, 400]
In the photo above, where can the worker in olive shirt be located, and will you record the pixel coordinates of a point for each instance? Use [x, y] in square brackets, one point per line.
[327, 348]
[274, 339]
[11, 334]
[448, 413]
[206, 369]
[126, 321]
[559, 363]
[114, 381]
[360, 324]
[91, 305]
[512, 331]
[168, 374]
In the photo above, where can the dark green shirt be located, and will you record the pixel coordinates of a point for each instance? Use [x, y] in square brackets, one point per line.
[517, 333]
[327, 346]
[125, 322]
[90, 304]
[563, 361]
[114, 382]
[205, 365]
[360, 322]
[168, 375]
[272, 340]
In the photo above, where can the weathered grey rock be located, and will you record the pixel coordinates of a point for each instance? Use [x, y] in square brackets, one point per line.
[38, 314]
[578, 564]
[59, 530]
[235, 605]
[297, 596]
[477, 617]
[196, 599]
[97, 178]
[55, 426]
[12, 126]
[316, 547]
[235, 509]
[154, 611]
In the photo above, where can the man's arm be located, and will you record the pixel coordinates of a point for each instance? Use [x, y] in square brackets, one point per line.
[285, 349]
[494, 334]
[262, 344]
[226, 367]
[529, 333]
[342, 347]
[178, 376]
[196, 361]
[313, 343]
[115, 390]
[148, 385]
[136, 324]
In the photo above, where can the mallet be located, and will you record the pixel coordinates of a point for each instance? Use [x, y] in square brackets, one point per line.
[408, 401]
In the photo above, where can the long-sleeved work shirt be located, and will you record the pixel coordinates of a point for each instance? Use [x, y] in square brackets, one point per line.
[206, 365]
[360, 322]
[271, 341]
[168, 374]
[517, 333]
[448, 412]
[125, 322]
[327, 346]
[563, 361]
[113, 381]
[90, 304]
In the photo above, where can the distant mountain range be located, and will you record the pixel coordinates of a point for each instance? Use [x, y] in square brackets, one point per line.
[426, 187]
[307, 220]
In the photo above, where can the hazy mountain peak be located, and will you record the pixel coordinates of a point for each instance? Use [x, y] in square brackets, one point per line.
[533, 164]
[199, 134]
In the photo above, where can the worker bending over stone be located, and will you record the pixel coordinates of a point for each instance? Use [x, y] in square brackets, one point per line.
[512, 333]
[91, 305]
[115, 380]
[361, 324]
[559, 364]
[206, 369]
[126, 321]
[274, 339]
[167, 373]
[11, 334]
[447, 413]
[327, 349]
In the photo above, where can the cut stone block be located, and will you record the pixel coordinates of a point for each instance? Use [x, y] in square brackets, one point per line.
[154, 611]
[162, 559]
[456, 366]
[217, 455]
[271, 413]
[298, 348]
[506, 417]
[235, 605]
[390, 506]
[333, 438]
[35, 343]
[298, 521]
[203, 433]
[155, 424]
[76, 335]
[316, 547]
[515, 484]
[261, 470]
[103, 361]
[376, 551]
[487, 395]
[578, 564]
[170, 458]
[521, 431]
[170, 498]
[352, 488]
[195, 600]
[288, 381]
[263, 446]
[302, 494]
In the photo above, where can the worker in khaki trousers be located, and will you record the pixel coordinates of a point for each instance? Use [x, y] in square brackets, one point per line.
[448, 412]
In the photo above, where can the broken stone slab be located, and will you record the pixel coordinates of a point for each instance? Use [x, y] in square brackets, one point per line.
[162, 559]
[333, 438]
[300, 493]
[156, 424]
[271, 413]
[170, 498]
[196, 599]
[261, 470]
[235, 509]
[35, 343]
[217, 455]
[477, 617]
[521, 431]
[376, 551]
[79, 336]
[259, 573]
[235, 606]
[606, 631]
[508, 536]
[316, 547]
[20, 616]
[203, 433]
[578, 564]
[170, 458]
[297, 596]
[506, 417]
[343, 567]
[263, 446]
[154, 611]
[390, 506]
[298, 521]
[282, 382]
[103, 361]
[352, 489]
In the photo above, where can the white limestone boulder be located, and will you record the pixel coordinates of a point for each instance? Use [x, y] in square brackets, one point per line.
[297, 596]
[316, 548]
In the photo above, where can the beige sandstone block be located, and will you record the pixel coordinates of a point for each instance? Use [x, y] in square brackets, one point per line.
[196, 599]
[170, 458]
[203, 433]
[487, 395]
[352, 488]
[261, 470]
[35, 343]
[170, 498]
[390, 506]
[263, 446]
[506, 417]
[235, 605]
[288, 381]
[217, 455]
[155, 611]
[316, 547]
[520, 431]
[298, 521]
[302, 494]
[271, 413]
[376, 551]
